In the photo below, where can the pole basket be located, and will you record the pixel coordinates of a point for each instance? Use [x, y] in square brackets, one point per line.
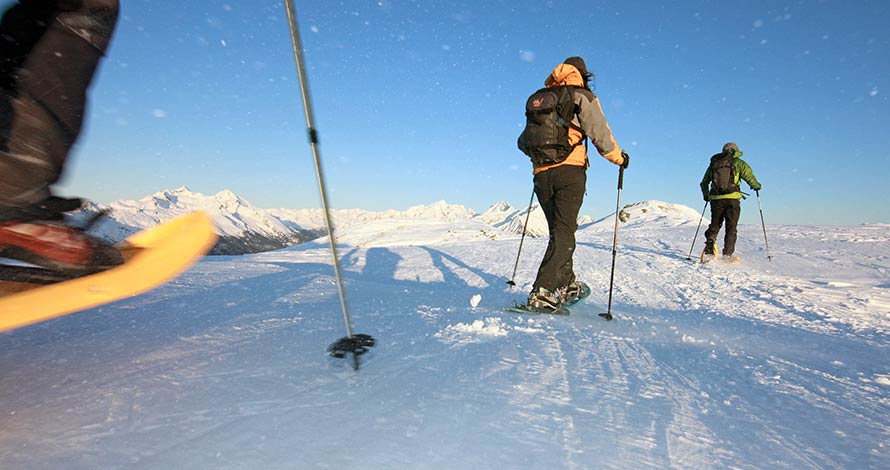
[356, 345]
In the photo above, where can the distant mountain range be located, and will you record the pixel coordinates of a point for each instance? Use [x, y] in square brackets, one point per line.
[245, 228]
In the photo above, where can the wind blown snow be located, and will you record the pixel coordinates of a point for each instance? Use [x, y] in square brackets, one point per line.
[767, 364]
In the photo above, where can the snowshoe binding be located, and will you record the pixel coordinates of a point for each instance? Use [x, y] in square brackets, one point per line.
[710, 253]
[576, 292]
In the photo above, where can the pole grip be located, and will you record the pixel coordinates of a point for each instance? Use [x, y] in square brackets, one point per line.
[620, 178]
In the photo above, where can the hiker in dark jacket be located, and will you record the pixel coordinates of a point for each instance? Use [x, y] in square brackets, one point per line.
[720, 186]
[560, 187]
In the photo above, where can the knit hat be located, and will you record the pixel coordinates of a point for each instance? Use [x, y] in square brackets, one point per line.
[579, 64]
[730, 146]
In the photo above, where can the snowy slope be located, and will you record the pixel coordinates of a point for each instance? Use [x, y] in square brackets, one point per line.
[768, 364]
[421, 231]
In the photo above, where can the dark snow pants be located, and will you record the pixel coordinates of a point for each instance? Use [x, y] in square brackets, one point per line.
[49, 51]
[727, 210]
[560, 192]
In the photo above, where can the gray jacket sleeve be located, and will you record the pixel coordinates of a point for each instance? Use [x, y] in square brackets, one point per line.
[593, 122]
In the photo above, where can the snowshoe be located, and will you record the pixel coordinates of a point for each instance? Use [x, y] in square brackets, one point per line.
[153, 256]
[730, 259]
[530, 310]
[55, 245]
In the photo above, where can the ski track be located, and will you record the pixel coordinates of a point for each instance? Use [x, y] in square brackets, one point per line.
[220, 367]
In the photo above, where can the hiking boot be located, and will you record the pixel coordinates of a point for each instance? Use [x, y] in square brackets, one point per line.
[575, 291]
[544, 300]
[54, 245]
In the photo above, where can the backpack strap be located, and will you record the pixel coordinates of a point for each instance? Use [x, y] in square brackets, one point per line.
[571, 89]
[570, 124]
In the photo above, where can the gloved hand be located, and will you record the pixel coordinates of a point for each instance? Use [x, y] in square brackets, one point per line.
[707, 197]
[626, 161]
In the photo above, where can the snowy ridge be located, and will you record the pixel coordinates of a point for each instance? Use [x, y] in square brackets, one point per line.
[313, 219]
[243, 227]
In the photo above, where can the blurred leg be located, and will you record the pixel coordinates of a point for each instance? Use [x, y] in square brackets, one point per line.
[50, 53]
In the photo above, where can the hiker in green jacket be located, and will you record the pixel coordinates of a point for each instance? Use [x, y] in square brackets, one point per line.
[720, 186]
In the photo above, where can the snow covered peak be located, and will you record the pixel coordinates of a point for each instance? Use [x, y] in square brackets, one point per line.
[651, 212]
[531, 220]
[227, 195]
[440, 210]
[501, 207]
[180, 191]
[498, 214]
[174, 196]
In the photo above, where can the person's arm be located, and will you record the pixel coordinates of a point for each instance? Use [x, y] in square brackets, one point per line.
[705, 185]
[593, 122]
[747, 174]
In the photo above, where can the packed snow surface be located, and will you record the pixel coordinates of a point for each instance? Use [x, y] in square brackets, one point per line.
[766, 364]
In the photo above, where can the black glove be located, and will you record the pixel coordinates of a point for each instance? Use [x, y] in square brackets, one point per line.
[626, 161]
[706, 197]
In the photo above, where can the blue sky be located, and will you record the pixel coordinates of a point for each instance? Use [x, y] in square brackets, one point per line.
[418, 101]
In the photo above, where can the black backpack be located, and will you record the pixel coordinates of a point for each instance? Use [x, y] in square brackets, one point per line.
[548, 117]
[723, 178]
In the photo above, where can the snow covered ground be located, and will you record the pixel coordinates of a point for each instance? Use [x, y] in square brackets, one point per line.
[767, 364]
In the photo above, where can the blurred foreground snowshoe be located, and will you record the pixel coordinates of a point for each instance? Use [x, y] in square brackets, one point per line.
[56, 246]
[81, 280]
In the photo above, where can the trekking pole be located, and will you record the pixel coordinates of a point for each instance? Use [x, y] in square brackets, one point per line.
[763, 224]
[522, 239]
[355, 344]
[608, 314]
[689, 257]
